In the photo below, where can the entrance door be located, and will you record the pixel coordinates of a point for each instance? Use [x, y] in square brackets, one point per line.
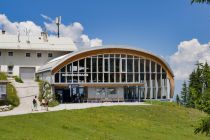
[131, 93]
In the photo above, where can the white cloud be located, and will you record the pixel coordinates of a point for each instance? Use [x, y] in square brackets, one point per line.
[74, 30]
[96, 42]
[14, 27]
[188, 54]
[46, 17]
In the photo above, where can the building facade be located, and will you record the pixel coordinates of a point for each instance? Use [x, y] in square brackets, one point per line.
[23, 55]
[110, 73]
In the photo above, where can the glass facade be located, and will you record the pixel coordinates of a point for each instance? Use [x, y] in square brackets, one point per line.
[118, 68]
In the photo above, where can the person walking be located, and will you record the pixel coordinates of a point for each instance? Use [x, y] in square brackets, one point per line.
[34, 104]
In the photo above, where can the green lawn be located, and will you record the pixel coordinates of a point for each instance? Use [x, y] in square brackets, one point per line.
[156, 122]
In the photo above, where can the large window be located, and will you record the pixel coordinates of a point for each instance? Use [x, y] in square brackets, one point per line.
[117, 68]
[112, 68]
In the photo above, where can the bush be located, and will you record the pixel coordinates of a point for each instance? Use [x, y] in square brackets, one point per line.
[3, 76]
[53, 103]
[37, 79]
[18, 79]
[45, 93]
[12, 97]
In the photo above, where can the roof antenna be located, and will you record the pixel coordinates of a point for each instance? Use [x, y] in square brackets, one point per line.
[58, 22]
[3, 30]
[18, 36]
[27, 34]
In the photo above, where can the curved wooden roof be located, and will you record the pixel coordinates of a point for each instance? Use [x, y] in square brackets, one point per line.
[111, 49]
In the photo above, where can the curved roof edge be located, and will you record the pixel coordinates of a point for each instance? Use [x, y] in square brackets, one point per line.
[56, 61]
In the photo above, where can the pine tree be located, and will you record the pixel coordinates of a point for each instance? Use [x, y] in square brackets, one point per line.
[184, 94]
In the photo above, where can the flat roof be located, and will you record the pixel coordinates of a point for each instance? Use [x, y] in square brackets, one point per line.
[10, 42]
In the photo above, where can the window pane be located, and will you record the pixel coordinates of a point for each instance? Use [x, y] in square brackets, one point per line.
[142, 76]
[158, 68]
[136, 65]
[117, 64]
[147, 76]
[106, 77]
[129, 65]
[111, 77]
[123, 75]
[123, 65]
[100, 77]
[57, 78]
[130, 77]
[147, 66]
[88, 77]
[63, 78]
[82, 65]
[75, 79]
[153, 76]
[75, 67]
[142, 65]
[117, 77]
[94, 77]
[100, 64]
[163, 75]
[69, 67]
[153, 66]
[111, 64]
[88, 64]
[69, 79]
[136, 77]
[94, 64]
[106, 65]
[81, 79]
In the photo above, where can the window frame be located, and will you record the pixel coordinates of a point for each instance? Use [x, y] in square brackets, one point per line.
[38, 54]
[10, 53]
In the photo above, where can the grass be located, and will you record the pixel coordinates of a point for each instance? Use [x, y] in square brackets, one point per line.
[155, 122]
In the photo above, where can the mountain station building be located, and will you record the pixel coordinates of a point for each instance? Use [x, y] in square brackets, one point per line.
[109, 73]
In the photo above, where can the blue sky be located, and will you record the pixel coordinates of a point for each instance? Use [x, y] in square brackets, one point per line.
[157, 26]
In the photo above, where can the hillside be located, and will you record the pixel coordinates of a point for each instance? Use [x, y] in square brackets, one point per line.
[155, 122]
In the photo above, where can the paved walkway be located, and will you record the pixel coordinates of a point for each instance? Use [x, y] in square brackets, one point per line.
[27, 90]
[68, 107]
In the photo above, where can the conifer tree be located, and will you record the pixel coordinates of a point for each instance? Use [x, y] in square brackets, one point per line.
[184, 94]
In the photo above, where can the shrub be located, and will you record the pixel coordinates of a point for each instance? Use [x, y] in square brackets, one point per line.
[18, 79]
[37, 78]
[45, 93]
[12, 97]
[3, 76]
[53, 103]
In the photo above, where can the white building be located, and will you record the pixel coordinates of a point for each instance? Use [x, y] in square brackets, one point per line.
[23, 55]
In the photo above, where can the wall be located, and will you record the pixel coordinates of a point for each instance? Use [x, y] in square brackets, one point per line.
[19, 59]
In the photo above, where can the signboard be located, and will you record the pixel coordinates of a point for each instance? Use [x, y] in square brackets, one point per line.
[77, 74]
[73, 85]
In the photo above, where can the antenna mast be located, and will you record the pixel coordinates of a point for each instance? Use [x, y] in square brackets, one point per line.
[58, 22]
